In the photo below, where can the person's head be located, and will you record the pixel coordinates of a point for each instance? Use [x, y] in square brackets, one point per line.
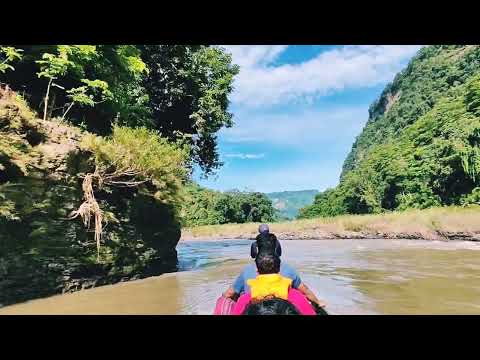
[265, 242]
[263, 229]
[267, 263]
[272, 306]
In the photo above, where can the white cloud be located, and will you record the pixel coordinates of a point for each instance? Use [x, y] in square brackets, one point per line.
[258, 55]
[260, 83]
[245, 156]
[299, 129]
[316, 138]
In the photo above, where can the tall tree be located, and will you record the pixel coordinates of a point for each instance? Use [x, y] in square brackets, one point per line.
[188, 89]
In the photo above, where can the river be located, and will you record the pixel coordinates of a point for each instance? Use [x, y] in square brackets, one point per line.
[352, 276]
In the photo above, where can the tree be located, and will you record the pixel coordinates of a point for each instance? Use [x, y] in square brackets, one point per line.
[181, 91]
[119, 66]
[86, 95]
[188, 89]
[203, 206]
[52, 67]
[74, 58]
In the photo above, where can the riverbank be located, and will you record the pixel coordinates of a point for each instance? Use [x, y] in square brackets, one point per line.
[446, 223]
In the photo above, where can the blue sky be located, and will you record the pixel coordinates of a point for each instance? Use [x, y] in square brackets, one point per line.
[297, 110]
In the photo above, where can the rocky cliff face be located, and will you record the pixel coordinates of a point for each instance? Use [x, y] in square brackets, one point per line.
[42, 251]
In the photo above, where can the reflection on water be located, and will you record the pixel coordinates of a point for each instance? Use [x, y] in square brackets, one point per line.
[353, 276]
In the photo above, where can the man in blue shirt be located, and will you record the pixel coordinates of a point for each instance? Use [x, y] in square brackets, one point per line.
[268, 242]
[250, 272]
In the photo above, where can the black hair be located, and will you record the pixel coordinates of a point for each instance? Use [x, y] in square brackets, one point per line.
[272, 306]
[265, 243]
[267, 263]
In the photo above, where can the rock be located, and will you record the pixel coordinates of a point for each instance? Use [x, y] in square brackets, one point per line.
[57, 255]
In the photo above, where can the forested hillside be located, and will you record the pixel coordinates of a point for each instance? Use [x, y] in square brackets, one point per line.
[288, 203]
[419, 147]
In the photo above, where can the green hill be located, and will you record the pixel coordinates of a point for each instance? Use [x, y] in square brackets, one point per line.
[288, 203]
[420, 145]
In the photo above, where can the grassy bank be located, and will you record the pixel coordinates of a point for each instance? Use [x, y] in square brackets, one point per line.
[445, 223]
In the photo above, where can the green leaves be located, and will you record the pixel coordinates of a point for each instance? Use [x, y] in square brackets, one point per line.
[53, 66]
[202, 206]
[8, 55]
[79, 96]
[7, 207]
[470, 157]
[94, 92]
[430, 157]
[98, 86]
[472, 198]
[139, 157]
[74, 57]
[130, 56]
[180, 90]
[188, 89]
[472, 98]
[435, 70]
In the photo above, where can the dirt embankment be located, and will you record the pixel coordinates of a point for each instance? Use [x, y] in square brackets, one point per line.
[447, 223]
[322, 235]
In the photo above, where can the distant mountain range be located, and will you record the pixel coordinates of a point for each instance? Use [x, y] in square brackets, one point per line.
[288, 203]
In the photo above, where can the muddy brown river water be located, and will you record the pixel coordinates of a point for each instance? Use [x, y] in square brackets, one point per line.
[352, 276]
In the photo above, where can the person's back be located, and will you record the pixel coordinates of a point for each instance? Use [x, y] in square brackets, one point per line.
[270, 283]
[249, 272]
[267, 243]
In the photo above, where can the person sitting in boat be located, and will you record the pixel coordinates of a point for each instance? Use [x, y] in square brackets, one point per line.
[267, 243]
[268, 284]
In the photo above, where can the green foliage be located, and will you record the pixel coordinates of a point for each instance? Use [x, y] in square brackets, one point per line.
[53, 66]
[119, 66]
[7, 207]
[207, 207]
[327, 203]
[79, 96]
[180, 90]
[472, 198]
[91, 94]
[8, 54]
[99, 92]
[56, 66]
[17, 129]
[434, 161]
[133, 169]
[188, 89]
[413, 93]
[131, 157]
